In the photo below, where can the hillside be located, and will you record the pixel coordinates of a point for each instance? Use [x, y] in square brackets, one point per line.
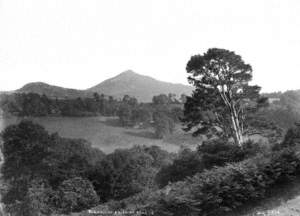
[127, 83]
[140, 86]
[52, 91]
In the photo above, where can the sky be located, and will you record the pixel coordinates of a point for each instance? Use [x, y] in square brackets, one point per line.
[79, 43]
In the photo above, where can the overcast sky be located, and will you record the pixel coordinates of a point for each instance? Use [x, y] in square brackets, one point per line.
[79, 43]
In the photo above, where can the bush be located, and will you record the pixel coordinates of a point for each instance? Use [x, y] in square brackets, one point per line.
[77, 194]
[292, 136]
[36, 163]
[123, 173]
[160, 157]
[218, 152]
[24, 148]
[138, 201]
[41, 198]
[223, 189]
[188, 163]
[209, 154]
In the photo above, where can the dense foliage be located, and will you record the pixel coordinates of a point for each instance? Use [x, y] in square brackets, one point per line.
[229, 178]
[284, 108]
[32, 104]
[292, 137]
[46, 173]
[221, 189]
[37, 164]
[123, 173]
[218, 152]
[49, 174]
[187, 163]
[77, 194]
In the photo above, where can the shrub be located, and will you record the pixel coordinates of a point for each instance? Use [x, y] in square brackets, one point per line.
[218, 152]
[223, 189]
[77, 194]
[188, 163]
[212, 153]
[138, 201]
[160, 157]
[41, 198]
[24, 148]
[36, 163]
[123, 173]
[292, 136]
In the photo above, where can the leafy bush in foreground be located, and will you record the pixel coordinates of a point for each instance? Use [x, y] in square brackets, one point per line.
[219, 152]
[188, 163]
[211, 153]
[77, 194]
[223, 189]
[219, 190]
[292, 136]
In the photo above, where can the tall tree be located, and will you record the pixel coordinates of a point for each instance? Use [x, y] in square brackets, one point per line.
[223, 96]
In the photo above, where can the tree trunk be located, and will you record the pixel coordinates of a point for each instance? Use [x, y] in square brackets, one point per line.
[236, 127]
[237, 131]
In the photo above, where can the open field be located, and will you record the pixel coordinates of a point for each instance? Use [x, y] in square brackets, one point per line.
[106, 134]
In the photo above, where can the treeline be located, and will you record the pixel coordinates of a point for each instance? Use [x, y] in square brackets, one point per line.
[162, 114]
[48, 174]
[31, 104]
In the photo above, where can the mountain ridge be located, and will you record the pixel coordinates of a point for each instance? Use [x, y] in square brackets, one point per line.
[52, 91]
[140, 86]
[126, 83]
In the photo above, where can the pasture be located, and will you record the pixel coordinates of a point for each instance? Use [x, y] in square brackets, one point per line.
[106, 134]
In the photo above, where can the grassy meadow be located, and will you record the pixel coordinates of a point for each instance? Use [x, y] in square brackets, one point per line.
[106, 134]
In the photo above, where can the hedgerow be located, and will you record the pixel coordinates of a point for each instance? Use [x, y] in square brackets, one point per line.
[223, 189]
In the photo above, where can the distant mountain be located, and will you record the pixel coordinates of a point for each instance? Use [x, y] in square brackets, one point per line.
[127, 83]
[52, 91]
[140, 86]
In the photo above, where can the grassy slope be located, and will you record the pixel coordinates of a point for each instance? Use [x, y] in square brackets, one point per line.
[107, 135]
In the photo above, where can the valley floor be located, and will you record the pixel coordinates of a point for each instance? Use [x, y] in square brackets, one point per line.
[106, 134]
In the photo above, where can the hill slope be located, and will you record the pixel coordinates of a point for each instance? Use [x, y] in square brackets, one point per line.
[127, 83]
[52, 91]
[140, 86]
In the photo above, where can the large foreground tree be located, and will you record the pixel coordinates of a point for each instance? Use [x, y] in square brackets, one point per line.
[222, 97]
